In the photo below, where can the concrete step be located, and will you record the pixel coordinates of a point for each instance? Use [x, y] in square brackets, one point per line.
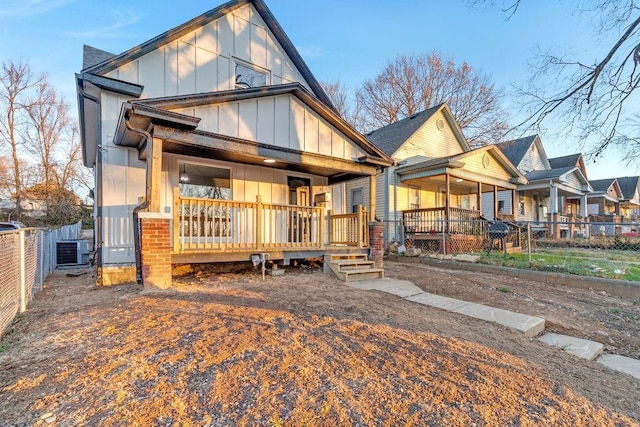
[363, 274]
[579, 347]
[401, 288]
[621, 363]
[514, 250]
[529, 325]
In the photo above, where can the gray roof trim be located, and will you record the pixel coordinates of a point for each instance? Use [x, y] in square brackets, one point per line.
[113, 85]
[447, 162]
[628, 186]
[92, 56]
[603, 185]
[205, 18]
[296, 89]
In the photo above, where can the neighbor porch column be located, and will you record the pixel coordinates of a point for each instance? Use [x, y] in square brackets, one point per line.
[480, 198]
[372, 198]
[553, 195]
[495, 202]
[513, 203]
[447, 201]
[583, 205]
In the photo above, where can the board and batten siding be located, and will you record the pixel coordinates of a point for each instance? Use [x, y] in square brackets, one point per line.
[282, 121]
[204, 60]
[429, 142]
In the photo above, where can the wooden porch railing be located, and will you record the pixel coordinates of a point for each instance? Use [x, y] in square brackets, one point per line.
[350, 229]
[201, 225]
[438, 220]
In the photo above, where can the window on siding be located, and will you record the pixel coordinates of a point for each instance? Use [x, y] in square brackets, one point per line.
[205, 182]
[247, 76]
[501, 206]
[414, 198]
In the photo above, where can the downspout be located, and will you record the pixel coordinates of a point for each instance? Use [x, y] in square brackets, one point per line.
[98, 201]
[145, 204]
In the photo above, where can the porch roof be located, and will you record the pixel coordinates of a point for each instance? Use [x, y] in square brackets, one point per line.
[456, 165]
[180, 135]
[561, 176]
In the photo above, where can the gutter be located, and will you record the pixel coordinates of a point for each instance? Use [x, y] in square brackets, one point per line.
[142, 206]
[98, 179]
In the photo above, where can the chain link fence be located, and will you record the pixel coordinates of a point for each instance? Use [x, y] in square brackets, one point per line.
[27, 257]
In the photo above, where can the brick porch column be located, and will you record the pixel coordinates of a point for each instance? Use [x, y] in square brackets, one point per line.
[376, 242]
[155, 249]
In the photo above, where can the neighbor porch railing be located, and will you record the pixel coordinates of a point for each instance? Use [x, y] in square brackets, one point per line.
[212, 225]
[350, 229]
[439, 220]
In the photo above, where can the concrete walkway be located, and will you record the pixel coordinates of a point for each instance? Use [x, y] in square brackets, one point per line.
[530, 326]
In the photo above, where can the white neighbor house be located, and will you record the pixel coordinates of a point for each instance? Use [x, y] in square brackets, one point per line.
[218, 137]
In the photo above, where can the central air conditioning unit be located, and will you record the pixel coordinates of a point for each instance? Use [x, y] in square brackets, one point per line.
[72, 252]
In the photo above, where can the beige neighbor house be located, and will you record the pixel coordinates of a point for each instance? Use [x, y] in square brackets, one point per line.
[555, 198]
[214, 142]
[440, 191]
[630, 202]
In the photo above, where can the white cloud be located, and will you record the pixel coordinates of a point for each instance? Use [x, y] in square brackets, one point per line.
[310, 52]
[121, 18]
[29, 7]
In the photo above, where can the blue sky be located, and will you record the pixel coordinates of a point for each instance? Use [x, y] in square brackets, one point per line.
[350, 40]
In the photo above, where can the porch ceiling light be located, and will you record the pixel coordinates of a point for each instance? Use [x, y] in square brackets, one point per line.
[184, 177]
[459, 180]
[269, 160]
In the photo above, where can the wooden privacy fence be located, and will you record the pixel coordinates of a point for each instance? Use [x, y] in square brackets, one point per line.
[350, 229]
[227, 225]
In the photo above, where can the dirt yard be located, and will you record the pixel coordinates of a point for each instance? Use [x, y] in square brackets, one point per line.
[304, 349]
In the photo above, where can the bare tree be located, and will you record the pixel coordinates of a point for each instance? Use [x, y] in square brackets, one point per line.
[44, 136]
[410, 84]
[15, 82]
[344, 102]
[591, 99]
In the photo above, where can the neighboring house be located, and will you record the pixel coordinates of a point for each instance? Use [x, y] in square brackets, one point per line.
[32, 204]
[606, 197]
[440, 186]
[630, 202]
[216, 135]
[556, 194]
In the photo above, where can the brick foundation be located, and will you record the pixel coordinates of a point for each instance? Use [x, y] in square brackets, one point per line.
[376, 242]
[155, 250]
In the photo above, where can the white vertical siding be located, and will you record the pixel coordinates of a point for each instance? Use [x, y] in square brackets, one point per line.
[203, 59]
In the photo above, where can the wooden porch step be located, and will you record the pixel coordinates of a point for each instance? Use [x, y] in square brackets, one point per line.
[344, 257]
[513, 249]
[353, 264]
[361, 274]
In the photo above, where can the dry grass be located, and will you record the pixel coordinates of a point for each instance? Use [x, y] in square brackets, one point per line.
[298, 350]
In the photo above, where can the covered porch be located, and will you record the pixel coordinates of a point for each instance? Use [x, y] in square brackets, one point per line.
[214, 197]
[463, 193]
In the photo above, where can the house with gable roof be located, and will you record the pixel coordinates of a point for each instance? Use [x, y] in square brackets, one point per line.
[557, 189]
[214, 142]
[630, 202]
[440, 188]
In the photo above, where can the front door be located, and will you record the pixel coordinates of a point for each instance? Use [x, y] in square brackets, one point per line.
[299, 230]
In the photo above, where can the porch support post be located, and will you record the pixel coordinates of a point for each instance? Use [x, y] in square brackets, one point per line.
[376, 243]
[480, 198]
[258, 221]
[176, 219]
[154, 175]
[554, 199]
[447, 202]
[155, 249]
[513, 203]
[583, 205]
[495, 202]
[372, 197]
